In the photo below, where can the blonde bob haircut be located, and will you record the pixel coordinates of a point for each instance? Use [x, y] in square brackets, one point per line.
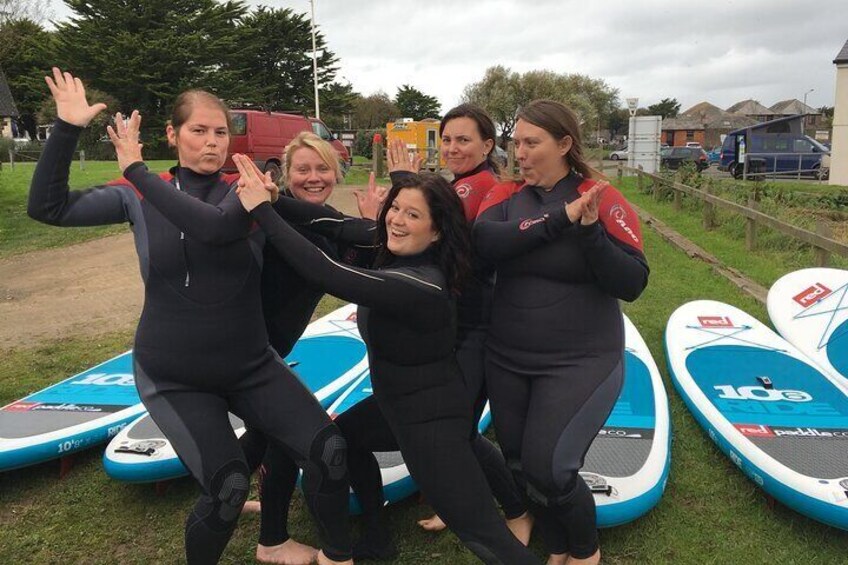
[308, 140]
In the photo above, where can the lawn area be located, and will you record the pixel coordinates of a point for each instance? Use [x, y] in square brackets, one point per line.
[710, 512]
[19, 233]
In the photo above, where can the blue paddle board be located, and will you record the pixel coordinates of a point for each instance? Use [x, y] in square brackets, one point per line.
[627, 464]
[778, 417]
[397, 482]
[328, 358]
[809, 308]
[77, 413]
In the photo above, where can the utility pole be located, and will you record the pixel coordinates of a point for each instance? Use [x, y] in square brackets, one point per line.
[315, 62]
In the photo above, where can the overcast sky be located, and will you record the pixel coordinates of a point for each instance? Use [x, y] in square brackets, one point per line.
[715, 50]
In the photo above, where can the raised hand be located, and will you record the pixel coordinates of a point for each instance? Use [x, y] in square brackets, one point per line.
[124, 137]
[371, 201]
[399, 158]
[585, 208]
[252, 190]
[71, 103]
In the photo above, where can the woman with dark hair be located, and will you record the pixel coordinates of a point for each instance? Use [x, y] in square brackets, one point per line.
[566, 248]
[201, 347]
[407, 318]
[467, 146]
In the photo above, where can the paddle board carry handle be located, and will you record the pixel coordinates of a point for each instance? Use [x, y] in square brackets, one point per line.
[766, 382]
[601, 489]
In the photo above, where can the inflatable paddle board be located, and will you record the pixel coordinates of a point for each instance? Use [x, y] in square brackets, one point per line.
[780, 419]
[328, 357]
[69, 416]
[809, 308]
[397, 482]
[627, 464]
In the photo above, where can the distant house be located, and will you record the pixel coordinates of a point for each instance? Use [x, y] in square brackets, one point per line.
[754, 110]
[681, 130]
[794, 106]
[716, 122]
[8, 110]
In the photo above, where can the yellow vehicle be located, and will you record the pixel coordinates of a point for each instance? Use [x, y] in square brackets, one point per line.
[420, 137]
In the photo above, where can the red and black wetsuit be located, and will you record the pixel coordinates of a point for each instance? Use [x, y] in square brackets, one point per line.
[201, 347]
[554, 364]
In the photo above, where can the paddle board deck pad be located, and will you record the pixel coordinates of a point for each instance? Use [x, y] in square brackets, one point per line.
[628, 462]
[328, 357]
[780, 419]
[397, 482]
[69, 416]
[809, 308]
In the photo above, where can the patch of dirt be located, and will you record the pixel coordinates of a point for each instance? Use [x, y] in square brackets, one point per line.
[90, 288]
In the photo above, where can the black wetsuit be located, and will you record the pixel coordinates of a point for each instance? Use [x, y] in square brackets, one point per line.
[555, 352]
[407, 318]
[201, 348]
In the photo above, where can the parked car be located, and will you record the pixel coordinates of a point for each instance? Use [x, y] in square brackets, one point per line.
[693, 144]
[621, 154]
[714, 155]
[674, 157]
[263, 136]
[785, 153]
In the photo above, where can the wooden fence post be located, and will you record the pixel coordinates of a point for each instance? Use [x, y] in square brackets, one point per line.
[639, 181]
[620, 171]
[822, 255]
[709, 209]
[82, 159]
[377, 156]
[655, 188]
[12, 159]
[751, 224]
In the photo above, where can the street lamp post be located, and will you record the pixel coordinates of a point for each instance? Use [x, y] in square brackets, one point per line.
[315, 63]
[804, 121]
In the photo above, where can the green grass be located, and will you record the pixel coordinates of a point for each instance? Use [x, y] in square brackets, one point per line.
[710, 512]
[19, 233]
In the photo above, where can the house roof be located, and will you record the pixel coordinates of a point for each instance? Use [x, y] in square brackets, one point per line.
[7, 103]
[750, 108]
[682, 122]
[704, 112]
[730, 122]
[843, 55]
[792, 107]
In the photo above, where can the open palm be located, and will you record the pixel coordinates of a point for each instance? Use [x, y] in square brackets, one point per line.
[69, 94]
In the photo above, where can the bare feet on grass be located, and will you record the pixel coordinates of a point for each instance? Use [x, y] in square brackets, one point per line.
[324, 560]
[521, 527]
[557, 559]
[251, 507]
[432, 524]
[289, 552]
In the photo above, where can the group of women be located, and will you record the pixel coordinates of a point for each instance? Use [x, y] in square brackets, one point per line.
[525, 313]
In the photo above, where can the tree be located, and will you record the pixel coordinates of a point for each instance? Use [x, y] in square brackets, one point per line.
[273, 65]
[412, 103]
[146, 52]
[618, 123]
[375, 111]
[93, 139]
[667, 108]
[337, 104]
[33, 10]
[26, 53]
[502, 92]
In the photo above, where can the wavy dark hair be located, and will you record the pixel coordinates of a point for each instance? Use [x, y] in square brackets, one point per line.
[485, 127]
[452, 251]
[560, 121]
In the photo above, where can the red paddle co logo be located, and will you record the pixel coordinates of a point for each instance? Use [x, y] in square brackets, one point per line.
[812, 295]
[715, 321]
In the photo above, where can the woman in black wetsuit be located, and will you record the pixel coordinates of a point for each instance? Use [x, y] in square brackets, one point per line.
[201, 347]
[407, 318]
[566, 248]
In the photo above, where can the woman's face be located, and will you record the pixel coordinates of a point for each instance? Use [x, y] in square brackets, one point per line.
[409, 225]
[309, 178]
[462, 146]
[203, 139]
[541, 158]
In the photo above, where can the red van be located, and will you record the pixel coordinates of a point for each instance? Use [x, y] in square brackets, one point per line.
[263, 136]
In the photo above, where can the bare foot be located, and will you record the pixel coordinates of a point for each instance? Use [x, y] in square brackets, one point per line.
[289, 552]
[251, 507]
[521, 527]
[557, 559]
[432, 524]
[324, 560]
[593, 560]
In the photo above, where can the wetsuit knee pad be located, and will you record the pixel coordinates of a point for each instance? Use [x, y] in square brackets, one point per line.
[327, 464]
[547, 495]
[227, 493]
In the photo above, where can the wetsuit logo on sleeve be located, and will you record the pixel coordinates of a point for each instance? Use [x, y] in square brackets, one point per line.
[619, 216]
[463, 190]
[812, 295]
[527, 224]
